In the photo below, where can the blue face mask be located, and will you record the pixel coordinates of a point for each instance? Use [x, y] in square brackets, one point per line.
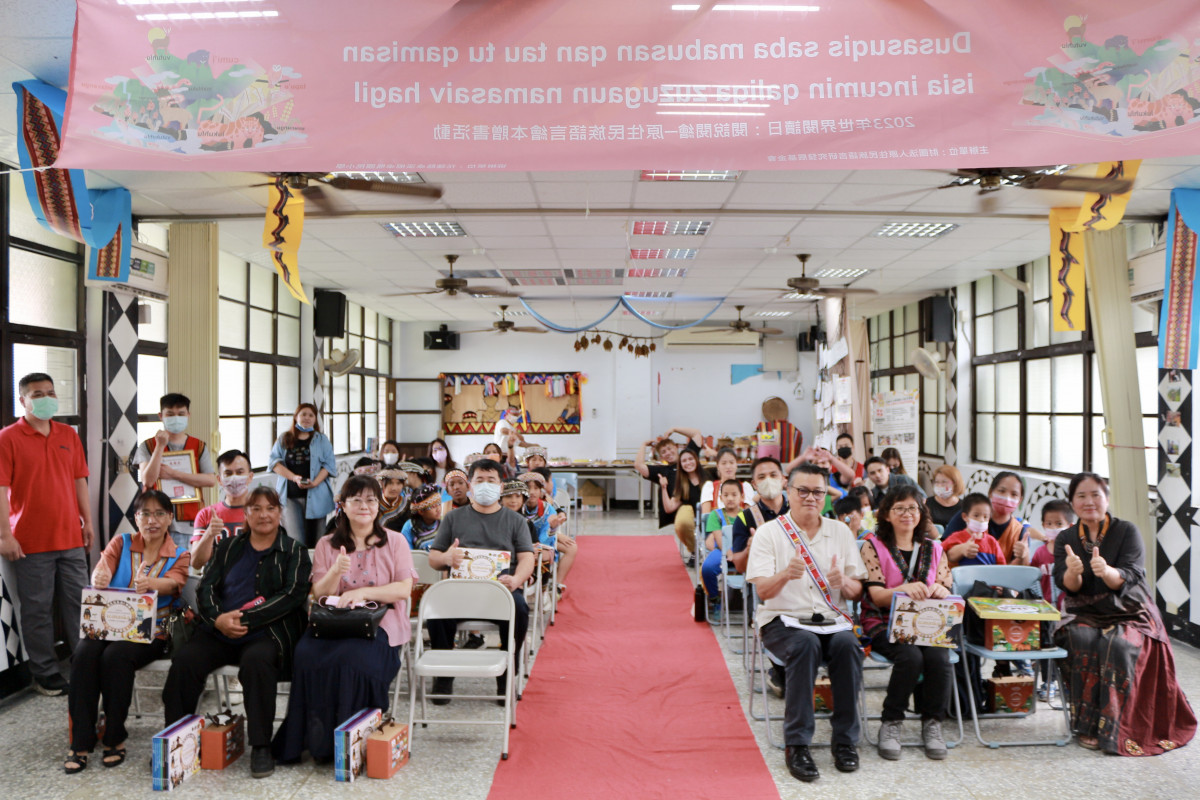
[304, 428]
[175, 423]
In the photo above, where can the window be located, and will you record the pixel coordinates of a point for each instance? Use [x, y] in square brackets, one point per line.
[893, 336]
[259, 371]
[353, 413]
[1037, 403]
[41, 275]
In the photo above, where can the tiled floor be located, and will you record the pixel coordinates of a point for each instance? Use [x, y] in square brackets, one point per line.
[458, 763]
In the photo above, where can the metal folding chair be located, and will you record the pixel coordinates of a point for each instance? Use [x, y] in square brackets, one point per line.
[465, 599]
[1019, 578]
[883, 662]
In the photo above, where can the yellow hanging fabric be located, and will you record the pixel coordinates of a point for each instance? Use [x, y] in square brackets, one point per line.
[282, 231]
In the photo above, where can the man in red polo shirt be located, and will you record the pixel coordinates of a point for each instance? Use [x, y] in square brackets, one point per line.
[45, 525]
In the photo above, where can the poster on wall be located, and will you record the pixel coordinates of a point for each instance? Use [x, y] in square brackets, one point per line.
[843, 410]
[896, 419]
[537, 402]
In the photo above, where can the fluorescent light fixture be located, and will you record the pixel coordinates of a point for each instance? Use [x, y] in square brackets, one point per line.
[673, 272]
[511, 313]
[689, 175]
[773, 314]
[841, 272]
[594, 277]
[746, 7]
[689, 227]
[406, 229]
[914, 230]
[384, 177]
[649, 312]
[194, 15]
[800, 296]
[650, 295]
[534, 277]
[661, 252]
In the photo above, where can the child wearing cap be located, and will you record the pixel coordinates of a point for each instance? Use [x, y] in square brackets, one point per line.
[454, 495]
[393, 482]
[425, 510]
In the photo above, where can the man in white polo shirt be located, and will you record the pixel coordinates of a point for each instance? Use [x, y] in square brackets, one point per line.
[805, 567]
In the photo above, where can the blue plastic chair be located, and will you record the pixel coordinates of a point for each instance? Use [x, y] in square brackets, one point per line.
[1019, 578]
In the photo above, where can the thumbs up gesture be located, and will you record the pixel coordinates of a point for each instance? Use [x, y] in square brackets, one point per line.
[835, 574]
[101, 576]
[342, 565]
[456, 554]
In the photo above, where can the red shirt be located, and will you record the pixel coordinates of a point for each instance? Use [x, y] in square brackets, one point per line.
[234, 518]
[40, 473]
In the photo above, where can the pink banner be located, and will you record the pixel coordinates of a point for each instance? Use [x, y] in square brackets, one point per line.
[309, 85]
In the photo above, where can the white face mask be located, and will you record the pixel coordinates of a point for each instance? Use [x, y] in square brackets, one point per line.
[1052, 532]
[391, 458]
[770, 488]
[942, 492]
[175, 423]
[486, 494]
[439, 456]
[976, 526]
[234, 485]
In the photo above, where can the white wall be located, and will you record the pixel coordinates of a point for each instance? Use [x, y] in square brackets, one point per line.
[624, 402]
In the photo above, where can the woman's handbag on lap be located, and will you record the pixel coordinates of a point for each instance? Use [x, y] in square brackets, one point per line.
[328, 620]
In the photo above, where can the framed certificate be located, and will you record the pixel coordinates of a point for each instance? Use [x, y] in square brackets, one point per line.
[179, 492]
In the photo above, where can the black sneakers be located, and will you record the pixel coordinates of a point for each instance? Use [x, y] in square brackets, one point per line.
[50, 685]
[441, 686]
[262, 763]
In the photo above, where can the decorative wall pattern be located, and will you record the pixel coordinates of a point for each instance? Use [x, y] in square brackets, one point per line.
[951, 362]
[120, 413]
[1175, 513]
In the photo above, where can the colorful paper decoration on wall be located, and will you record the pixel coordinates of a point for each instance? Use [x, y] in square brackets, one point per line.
[1178, 325]
[537, 402]
[60, 199]
[282, 232]
[1098, 212]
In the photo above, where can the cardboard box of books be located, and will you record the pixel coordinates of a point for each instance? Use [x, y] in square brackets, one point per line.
[175, 753]
[117, 615]
[387, 750]
[1010, 695]
[222, 741]
[481, 564]
[823, 695]
[350, 743]
[931, 623]
[1012, 624]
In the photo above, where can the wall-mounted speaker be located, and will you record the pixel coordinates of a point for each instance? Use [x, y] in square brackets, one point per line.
[941, 320]
[329, 314]
[441, 339]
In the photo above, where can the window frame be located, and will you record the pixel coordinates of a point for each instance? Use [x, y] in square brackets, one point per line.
[332, 418]
[885, 378]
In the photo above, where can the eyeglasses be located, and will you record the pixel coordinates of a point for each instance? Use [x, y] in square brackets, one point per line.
[362, 502]
[260, 509]
[907, 511]
[152, 514]
[802, 492]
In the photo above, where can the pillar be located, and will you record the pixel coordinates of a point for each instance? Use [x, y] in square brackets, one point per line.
[192, 318]
[1107, 272]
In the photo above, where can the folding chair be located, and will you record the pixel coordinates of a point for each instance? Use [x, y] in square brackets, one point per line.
[465, 599]
[736, 582]
[164, 665]
[1019, 578]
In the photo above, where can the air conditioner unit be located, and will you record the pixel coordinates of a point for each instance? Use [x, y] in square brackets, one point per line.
[147, 275]
[692, 338]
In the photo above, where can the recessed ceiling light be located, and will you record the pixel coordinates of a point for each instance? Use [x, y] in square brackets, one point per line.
[534, 277]
[841, 272]
[689, 227]
[471, 274]
[384, 177]
[773, 314]
[657, 295]
[799, 296]
[690, 175]
[425, 228]
[914, 230]
[650, 312]
[594, 277]
[511, 313]
[660, 252]
[670, 272]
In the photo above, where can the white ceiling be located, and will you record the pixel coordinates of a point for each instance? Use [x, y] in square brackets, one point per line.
[573, 220]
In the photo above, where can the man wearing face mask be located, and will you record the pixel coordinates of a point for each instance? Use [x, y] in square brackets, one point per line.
[227, 517]
[45, 525]
[766, 475]
[487, 525]
[175, 412]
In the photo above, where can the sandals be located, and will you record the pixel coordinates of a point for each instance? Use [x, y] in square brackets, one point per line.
[1089, 742]
[75, 763]
[117, 753]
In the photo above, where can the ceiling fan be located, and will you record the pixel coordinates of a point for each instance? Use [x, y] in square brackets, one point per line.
[806, 288]
[452, 286]
[312, 187]
[739, 325]
[993, 179]
[504, 325]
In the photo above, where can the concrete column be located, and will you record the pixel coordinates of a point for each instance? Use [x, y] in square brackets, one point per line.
[1107, 272]
[192, 351]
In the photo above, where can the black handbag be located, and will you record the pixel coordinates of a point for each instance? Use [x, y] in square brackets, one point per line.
[330, 622]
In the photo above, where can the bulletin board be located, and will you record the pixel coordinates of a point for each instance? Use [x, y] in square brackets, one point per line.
[547, 402]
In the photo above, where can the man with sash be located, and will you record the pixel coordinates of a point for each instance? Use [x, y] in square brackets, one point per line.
[805, 567]
[175, 412]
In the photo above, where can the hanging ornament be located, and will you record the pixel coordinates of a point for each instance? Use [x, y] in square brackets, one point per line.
[653, 347]
[607, 345]
[624, 341]
[596, 339]
[585, 343]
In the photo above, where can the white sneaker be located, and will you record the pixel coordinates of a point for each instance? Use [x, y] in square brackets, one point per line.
[889, 740]
[931, 735]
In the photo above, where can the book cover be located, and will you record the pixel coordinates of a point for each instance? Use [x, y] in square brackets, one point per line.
[117, 615]
[931, 623]
[1010, 608]
[481, 564]
[175, 753]
[350, 743]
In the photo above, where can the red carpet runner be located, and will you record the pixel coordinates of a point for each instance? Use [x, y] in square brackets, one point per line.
[630, 698]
